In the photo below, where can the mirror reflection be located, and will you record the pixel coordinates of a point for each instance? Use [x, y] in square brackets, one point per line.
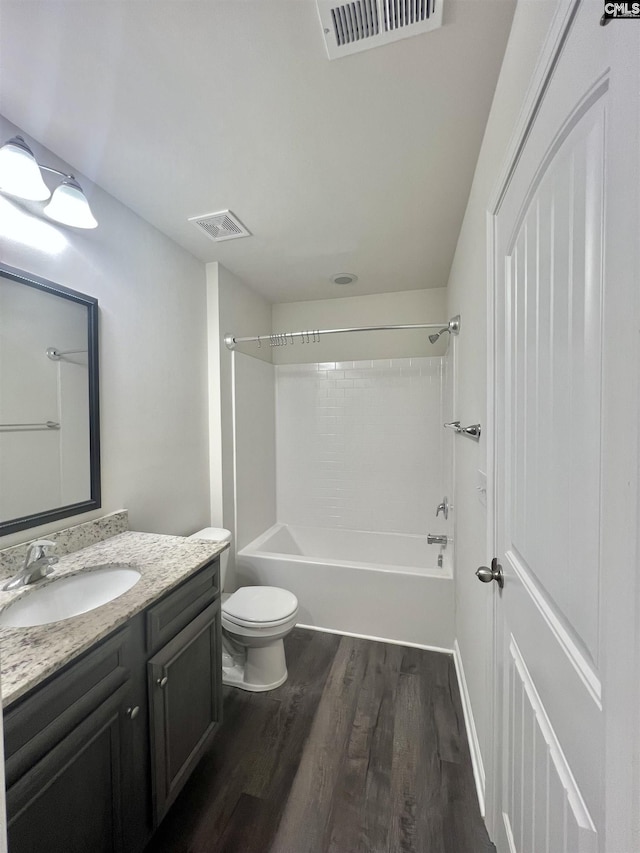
[48, 402]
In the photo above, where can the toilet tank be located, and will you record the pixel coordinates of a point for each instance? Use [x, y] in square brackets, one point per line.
[216, 534]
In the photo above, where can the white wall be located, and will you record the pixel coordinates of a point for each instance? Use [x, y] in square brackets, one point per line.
[255, 443]
[232, 307]
[404, 307]
[467, 290]
[360, 444]
[153, 383]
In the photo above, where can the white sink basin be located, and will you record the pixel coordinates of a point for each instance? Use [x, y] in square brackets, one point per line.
[69, 596]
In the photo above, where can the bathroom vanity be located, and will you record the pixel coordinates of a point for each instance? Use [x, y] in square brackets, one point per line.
[107, 714]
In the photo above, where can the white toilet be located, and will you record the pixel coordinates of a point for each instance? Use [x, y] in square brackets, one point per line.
[255, 619]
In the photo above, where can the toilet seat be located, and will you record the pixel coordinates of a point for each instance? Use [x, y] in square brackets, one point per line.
[260, 606]
[230, 623]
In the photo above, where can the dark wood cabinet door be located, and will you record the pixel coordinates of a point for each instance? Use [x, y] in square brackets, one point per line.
[185, 704]
[71, 800]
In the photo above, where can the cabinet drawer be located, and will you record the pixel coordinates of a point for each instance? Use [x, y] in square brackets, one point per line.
[35, 724]
[170, 615]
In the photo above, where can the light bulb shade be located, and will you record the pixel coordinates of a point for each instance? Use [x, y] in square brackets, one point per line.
[20, 174]
[69, 205]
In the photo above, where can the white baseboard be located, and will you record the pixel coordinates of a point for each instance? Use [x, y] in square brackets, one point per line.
[375, 639]
[509, 834]
[472, 734]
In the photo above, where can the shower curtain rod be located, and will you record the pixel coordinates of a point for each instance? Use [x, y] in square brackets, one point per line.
[313, 335]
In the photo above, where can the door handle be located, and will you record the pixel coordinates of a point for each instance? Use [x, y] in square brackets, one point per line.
[486, 574]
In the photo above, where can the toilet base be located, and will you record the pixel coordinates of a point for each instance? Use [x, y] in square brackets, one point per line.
[234, 677]
[264, 668]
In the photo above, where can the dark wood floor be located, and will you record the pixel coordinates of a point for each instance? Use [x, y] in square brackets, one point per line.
[362, 750]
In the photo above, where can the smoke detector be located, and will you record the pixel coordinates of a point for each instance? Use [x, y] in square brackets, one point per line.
[364, 24]
[220, 226]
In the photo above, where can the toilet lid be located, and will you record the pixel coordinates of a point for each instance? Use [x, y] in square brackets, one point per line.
[217, 534]
[260, 604]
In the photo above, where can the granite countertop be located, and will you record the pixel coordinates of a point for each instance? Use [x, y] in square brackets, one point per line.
[29, 655]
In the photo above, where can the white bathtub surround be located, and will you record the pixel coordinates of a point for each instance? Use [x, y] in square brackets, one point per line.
[360, 445]
[361, 463]
[372, 584]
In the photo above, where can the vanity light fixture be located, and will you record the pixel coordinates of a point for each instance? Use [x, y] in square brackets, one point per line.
[19, 171]
[21, 176]
[69, 205]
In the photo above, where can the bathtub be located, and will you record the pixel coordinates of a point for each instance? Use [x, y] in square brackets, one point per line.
[379, 585]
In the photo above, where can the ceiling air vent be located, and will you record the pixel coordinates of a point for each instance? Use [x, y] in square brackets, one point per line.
[220, 226]
[352, 27]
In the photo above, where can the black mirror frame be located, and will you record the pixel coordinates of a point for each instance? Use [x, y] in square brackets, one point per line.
[15, 524]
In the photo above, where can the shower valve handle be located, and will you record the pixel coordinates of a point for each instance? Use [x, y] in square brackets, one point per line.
[443, 508]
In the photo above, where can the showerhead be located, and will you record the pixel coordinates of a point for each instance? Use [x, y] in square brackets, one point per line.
[434, 338]
[453, 328]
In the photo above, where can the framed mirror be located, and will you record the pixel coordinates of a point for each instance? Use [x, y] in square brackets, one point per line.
[49, 402]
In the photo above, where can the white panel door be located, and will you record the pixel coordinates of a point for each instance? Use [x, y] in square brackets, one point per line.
[565, 243]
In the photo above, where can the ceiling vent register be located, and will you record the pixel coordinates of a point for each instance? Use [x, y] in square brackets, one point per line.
[220, 226]
[364, 24]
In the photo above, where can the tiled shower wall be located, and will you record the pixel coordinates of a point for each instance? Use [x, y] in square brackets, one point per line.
[361, 445]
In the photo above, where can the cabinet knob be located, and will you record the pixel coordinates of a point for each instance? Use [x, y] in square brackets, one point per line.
[132, 713]
[161, 682]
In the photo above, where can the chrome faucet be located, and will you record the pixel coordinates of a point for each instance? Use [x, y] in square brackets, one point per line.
[433, 539]
[37, 565]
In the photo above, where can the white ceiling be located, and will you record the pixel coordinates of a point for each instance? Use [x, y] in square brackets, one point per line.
[182, 108]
